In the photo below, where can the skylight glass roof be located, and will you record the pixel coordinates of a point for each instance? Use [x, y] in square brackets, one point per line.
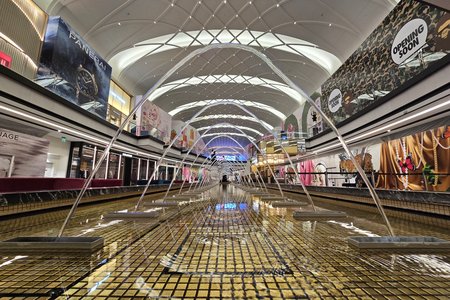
[241, 79]
[231, 126]
[225, 116]
[229, 133]
[228, 101]
[325, 60]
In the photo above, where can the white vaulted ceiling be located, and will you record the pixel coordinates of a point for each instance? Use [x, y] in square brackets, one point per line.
[142, 39]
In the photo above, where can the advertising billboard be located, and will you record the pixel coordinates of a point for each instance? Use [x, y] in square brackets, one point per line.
[5, 60]
[70, 68]
[152, 120]
[413, 37]
[187, 137]
[22, 155]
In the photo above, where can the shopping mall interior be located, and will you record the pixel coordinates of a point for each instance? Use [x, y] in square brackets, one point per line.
[224, 149]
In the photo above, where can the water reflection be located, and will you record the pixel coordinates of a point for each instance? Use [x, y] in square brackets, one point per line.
[232, 246]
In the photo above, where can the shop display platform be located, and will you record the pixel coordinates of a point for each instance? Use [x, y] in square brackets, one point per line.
[65, 243]
[318, 215]
[398, 242]
[288, 204]
[161, 204]
[273, 198]
[132, 215]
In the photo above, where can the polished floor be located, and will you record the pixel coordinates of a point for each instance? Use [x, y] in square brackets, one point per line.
[225, 246]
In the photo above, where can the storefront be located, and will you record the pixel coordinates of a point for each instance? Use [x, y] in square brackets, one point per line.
[129, 168]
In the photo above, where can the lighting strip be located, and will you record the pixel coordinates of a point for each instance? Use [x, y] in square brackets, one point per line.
[386, 127]
[228, 78]
[229, 133]
[267, 40]
[231, 126]
[225, 116]
[227, 101]
[83, 135]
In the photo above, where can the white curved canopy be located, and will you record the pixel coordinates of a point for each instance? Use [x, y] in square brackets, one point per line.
[142, 39]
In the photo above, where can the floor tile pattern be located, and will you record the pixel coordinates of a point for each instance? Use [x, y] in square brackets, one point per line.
[230, 246]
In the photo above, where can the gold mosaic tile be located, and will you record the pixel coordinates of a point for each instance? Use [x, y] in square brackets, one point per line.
[231, 247]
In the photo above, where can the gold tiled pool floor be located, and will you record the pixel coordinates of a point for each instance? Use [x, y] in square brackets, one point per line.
[229, 247]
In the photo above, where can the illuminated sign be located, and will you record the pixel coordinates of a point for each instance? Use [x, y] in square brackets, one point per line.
[226, 157]
[5, 60]
[231, 206]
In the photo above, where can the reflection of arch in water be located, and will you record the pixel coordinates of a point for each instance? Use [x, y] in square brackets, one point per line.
[179, 65]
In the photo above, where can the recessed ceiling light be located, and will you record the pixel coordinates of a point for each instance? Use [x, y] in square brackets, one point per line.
[295, 22]
[329, 25]
[278, 5]
[119, 24]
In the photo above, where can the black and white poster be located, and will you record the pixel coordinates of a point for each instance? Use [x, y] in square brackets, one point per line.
[70, 68]
[22, 155]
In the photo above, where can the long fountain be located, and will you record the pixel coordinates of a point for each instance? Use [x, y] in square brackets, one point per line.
[94, 243]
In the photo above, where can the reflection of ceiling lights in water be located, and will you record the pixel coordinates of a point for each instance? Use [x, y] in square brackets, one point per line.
[231, 206]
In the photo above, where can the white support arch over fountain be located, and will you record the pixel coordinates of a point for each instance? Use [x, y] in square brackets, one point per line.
[278, 72]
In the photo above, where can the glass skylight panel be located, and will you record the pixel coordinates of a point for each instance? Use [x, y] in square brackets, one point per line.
[231, 126]
[204, 37]
[326, 60]
[257, 81]
[225, 37]
[226, 116]
[229, 133]
[269, 40]
[226, 101]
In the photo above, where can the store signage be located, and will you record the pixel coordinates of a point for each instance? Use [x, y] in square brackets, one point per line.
[9, 136]
[5, 60]
[335, 100]
[409, 39]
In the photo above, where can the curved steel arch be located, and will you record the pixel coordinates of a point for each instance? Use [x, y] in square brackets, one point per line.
[271, 65]
[257, 148]
[259, 174]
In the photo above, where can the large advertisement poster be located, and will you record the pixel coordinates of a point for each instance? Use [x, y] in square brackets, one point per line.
[188, 137]
[22, 155]
[70, 68]
[152, 120]
[410, 39]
